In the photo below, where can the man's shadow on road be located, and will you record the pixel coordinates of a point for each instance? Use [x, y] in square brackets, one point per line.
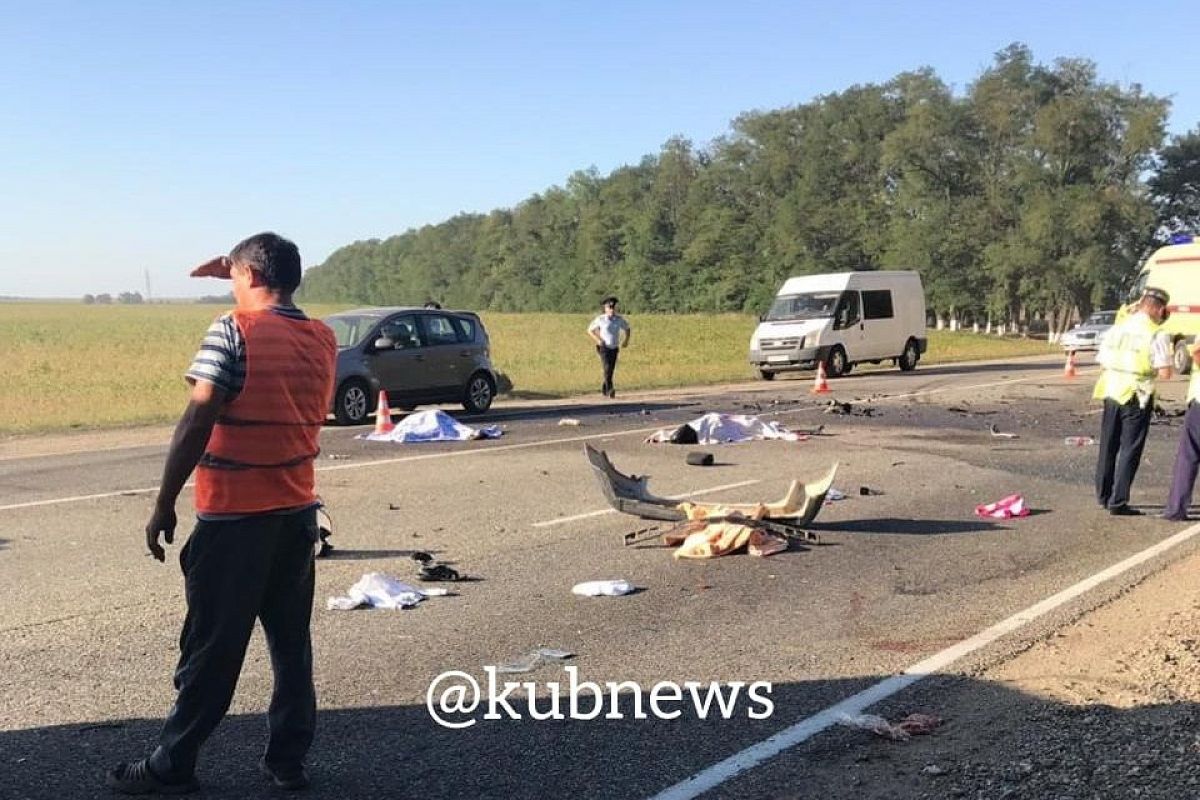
[376, 752]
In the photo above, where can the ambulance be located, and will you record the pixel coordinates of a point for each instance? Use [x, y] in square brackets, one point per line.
[1176, 270]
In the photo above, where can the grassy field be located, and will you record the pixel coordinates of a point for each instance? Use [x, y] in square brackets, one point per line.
[69, 366]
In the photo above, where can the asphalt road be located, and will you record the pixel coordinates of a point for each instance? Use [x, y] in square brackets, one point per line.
[89, 623]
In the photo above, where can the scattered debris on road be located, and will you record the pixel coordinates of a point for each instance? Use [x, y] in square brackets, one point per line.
[1078, 441]
[1006, 508]
[602, 588]
[848, 409]
[698, 459]
[999, 434]
[629, 494]
[379, 590]
[912, 725]
[531, 661]
[867, 491]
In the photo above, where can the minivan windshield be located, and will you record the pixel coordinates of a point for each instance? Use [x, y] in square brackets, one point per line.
[350, 328]
[807, 305]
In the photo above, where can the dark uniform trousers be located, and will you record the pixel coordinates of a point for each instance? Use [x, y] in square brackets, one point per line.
[1123, 430]
[1187, 463]
[235, 572]
[608, 359]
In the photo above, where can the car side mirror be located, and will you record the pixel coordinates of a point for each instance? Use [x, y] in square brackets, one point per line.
[383, 343]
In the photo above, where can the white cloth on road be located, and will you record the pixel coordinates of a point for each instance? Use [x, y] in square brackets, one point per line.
[378, 590]
[602, 588]
[715, 428]
[432, 426]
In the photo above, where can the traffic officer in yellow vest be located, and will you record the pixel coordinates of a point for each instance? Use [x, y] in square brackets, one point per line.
[1133, 354]
[1187, 459]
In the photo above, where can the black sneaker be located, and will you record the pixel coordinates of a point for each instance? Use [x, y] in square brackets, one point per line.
[1124, 511]
[136, 778]
[290, 780]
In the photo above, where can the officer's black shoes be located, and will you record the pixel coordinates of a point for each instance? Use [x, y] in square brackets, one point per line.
[1124, 511]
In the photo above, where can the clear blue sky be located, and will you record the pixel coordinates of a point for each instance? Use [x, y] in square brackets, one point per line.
[141, 136]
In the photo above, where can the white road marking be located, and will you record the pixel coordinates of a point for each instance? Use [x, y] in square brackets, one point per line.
[78, 498]
[523, 445]
[603, 511]
[755, 755]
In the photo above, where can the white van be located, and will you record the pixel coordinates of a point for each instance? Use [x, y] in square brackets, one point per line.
[842, 319]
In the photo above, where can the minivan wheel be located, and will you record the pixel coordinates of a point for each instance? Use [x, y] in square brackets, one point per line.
[766, 374]
[351, 403]
[908, 359]
[836, 363]
[1182, 357]
[480, 392]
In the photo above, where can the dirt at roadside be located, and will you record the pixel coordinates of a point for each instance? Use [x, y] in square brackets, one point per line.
[1107, 707]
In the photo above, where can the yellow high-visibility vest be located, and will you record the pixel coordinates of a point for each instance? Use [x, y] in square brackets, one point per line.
[1125, 356]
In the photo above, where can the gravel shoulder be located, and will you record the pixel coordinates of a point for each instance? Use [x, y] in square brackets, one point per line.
[1105, 707]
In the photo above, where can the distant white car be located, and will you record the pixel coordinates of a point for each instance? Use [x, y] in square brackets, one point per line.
[1088, 334]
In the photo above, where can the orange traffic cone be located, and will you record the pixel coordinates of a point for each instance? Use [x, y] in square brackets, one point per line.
[383, 415]
[1069, 369]
[820, 384]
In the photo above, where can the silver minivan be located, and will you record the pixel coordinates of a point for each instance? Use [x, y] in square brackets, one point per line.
[416, 355]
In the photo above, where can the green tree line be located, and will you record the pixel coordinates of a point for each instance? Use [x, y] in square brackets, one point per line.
[1033, 194]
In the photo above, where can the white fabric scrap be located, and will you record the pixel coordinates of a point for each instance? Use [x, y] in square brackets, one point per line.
[378, 590]
[432, 426]
[602, 588]
[713, 428]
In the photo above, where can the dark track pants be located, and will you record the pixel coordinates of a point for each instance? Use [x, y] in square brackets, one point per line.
[1123, 430]
[261, 568]
[1187, 463]
[608, 359]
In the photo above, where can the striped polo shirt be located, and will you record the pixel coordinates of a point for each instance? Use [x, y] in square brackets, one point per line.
[221, 359]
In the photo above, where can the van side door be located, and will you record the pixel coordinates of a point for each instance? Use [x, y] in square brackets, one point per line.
[847, 321]
[884, 335]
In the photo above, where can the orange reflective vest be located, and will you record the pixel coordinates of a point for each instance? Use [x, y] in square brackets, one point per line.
[260, 456]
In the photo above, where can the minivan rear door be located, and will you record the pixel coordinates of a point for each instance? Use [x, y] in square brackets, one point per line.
[401, 371]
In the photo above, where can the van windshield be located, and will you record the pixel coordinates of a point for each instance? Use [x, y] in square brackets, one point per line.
[809, 305]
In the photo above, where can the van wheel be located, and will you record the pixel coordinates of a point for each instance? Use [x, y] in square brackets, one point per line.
[908, 359]
[766, 374]
[480, 392]
[1182, 358]
[836, 364]
[351, 404]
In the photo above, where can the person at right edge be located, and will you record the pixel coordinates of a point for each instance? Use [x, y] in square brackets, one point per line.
[1134, 354]
[1187, 458]
[260, 388]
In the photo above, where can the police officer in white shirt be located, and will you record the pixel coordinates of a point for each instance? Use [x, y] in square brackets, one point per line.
[605, 331]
